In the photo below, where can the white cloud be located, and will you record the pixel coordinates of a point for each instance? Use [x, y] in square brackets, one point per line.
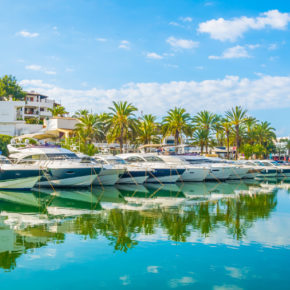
[233, 29]
[125, 280]
[264, 92]
[152, 269]
[154, 55]
[186, 19]
[33, 67]
[183, 281]
[124, 44]
[232, 52]
[173, 23]
[27, 34]
[273, 46]
[101, 39]
[237, 273]
[36, 67]
[182, 43]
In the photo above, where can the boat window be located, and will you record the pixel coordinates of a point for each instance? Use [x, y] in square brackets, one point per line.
[153, 159]
[4, 160]
[100, 161]
[134, 159]
[116, 161]
[62, 156]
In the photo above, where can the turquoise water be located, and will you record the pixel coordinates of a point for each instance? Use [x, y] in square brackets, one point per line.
[189, 236]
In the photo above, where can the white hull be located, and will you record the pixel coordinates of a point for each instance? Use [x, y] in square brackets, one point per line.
[108, 177]
[163, 179]
[132, 180]
[21, 183]
[220, 174]
[238, 173]
[80, 181]
[194, 175]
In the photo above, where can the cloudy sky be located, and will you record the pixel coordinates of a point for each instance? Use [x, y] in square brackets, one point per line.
[156, 54]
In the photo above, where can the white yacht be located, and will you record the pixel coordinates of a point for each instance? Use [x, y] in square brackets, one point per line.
[283, 171]
[192, 172]
[266, 170]
[253, 170]
[160, 172]
[218, 171]
[129, 174]
[17, 176]
[109, 174]
[59, 167]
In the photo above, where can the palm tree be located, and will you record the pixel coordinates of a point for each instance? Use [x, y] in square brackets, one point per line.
[265, 135]
[227, 127]
[80, 113]
[58, 111]
[205, 120]
[199, 137]
[175, 123]
[89, 128]
[237, 116]
[148, 130]
[250, 124]
[121, 121]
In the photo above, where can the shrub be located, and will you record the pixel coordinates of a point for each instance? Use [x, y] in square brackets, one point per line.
[4, 141]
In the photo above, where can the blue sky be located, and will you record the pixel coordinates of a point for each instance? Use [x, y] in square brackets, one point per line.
[156, 54]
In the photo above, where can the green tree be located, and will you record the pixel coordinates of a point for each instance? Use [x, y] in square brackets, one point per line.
[205, 121]
[175, 123]
[58, 111]
[121, 122]
[9, 88]
[89, 128]
[148, 130]
[237, 116]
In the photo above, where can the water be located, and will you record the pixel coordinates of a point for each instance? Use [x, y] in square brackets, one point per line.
[189, 236]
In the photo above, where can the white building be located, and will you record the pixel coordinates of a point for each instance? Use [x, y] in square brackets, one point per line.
[16, 115]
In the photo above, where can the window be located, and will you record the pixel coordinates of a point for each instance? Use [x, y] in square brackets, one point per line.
[134, 159]
[153, 159]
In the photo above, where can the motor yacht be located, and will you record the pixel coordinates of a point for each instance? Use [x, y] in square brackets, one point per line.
[109, 174]
[17, 176]
[192, 172]
[266, 170]
[59, 167]
[283, 171]
[159, 171]
[217, 171]
[128, 173]
[253, 170]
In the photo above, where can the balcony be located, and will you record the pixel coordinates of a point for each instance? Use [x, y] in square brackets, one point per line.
[41, 104]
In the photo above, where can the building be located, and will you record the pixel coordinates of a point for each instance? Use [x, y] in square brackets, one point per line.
[24, 117]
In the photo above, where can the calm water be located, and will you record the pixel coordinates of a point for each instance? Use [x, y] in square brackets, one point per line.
[201, 235]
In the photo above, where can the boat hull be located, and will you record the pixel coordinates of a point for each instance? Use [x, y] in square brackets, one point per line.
[165, 175]
[69, 177]
[133, 177]
[193, 175]
[108, 177]
[25, 183]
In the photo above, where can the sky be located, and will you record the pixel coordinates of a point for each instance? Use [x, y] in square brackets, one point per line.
[156, 54]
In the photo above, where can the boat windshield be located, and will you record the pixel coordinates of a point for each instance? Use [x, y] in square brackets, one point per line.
[49, 156]
[116, 161]
[134, 159]
[153, 159]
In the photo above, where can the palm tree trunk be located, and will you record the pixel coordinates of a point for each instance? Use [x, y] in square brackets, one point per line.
[228, 146]
[122, 139]
[176, 139]
[237, 141]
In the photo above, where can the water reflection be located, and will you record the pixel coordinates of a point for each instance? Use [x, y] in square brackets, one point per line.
[124, 213]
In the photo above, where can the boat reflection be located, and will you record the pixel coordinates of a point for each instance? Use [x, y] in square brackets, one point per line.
[124, 213]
